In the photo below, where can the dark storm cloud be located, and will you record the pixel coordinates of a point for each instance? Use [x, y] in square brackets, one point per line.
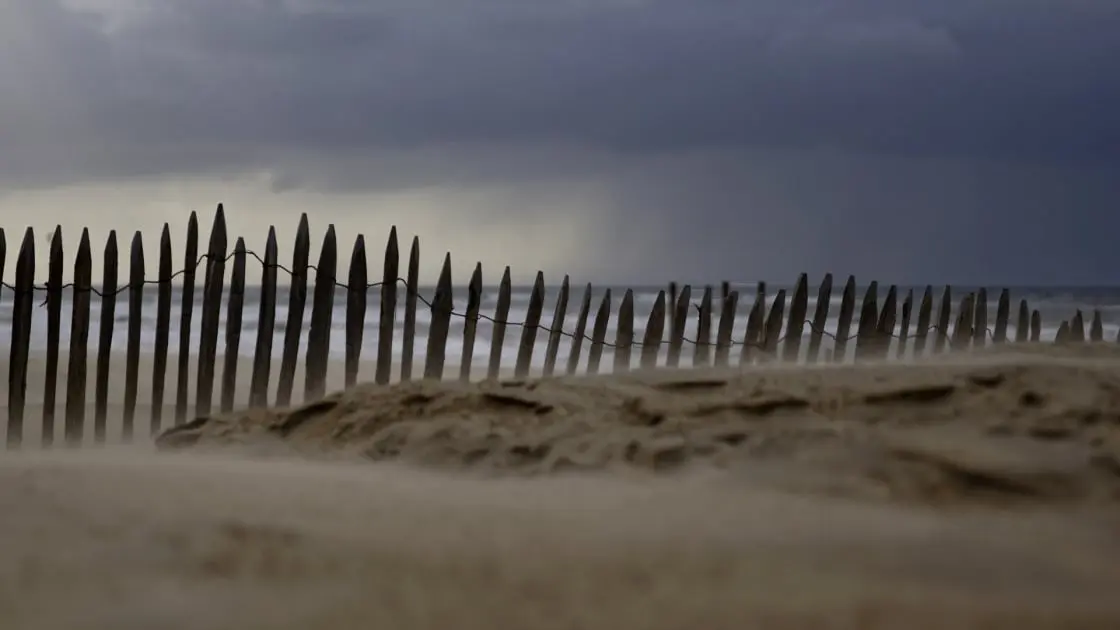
[235, 81]
[852, 127]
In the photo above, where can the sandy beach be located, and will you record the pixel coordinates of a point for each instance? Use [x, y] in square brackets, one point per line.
[975, 491]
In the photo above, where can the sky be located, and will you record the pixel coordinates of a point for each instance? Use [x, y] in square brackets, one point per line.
[618, 141]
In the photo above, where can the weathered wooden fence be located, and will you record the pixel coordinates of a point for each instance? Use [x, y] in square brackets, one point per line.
[772, 334]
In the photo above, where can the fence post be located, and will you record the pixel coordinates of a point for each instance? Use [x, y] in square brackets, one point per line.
[135, 324]
[556, 332]
[655, 329]
[1096, 329]
[581, 330]
[54, 324]
[904, 329]
[925, 312]
[1077, 327]
[266, 325]
[105, 344]
[726, 328]
[297, 300]
[844, 324]
[388, 314]
[163, 330]
[1023, 324]
[190, 269]
[441, 308]
[470, 326]
[21, 338]
[501, 314]
[677, 324]
[322, 310]
[962, 328]
[356, 313]
[670, 311]
[599, 333]
[408, 340]
[530, 328]
[701, 356]
[820, 319]
[234, 309]
[980, 319]
[213, 287]
[624, 336]
[884, 329]
[754, 339]
[79, 343]
[798, 310]
[1003, 314]
[774, 328]
[944, 312]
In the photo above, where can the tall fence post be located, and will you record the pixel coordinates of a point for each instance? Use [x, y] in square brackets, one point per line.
[441, 307]
[21, 338]
[556, 330]
[408, 338]
[356, 312]
[388, 308]
[293, 327]
[235, 307]
[135, 324]
[190, 269]
[212, 290]
[54, 324]
[105, 343]
[163, 330]
[322, 310]
[266, 325]
[470, 326]
[79, 342]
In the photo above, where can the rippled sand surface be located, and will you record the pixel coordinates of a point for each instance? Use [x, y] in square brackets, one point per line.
[979, 493]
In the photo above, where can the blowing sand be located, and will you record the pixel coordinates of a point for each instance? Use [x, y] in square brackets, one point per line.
[947, 494]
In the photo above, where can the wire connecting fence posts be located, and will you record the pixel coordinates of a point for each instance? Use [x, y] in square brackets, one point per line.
[778, 328]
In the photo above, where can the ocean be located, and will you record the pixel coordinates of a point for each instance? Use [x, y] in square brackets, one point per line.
[1054, 304]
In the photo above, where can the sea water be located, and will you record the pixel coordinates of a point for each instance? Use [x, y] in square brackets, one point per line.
[1053, 303]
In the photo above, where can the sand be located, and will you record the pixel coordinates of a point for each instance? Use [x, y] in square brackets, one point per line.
[33, 424]
[978, 492]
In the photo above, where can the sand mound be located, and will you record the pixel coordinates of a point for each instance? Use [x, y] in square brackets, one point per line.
[1001, 427]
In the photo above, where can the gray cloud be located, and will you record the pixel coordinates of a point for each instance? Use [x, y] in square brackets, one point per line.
[1024, 79]
[748, 125]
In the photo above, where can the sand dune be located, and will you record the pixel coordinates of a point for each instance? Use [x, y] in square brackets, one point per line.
[948, 494]
[36, 392]
[995, 427]
[33, 423]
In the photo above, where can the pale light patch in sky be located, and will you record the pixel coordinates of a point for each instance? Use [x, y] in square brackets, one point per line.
[477, 231]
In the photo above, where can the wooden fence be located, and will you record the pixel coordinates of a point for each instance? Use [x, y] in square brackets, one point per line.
[883, 332]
